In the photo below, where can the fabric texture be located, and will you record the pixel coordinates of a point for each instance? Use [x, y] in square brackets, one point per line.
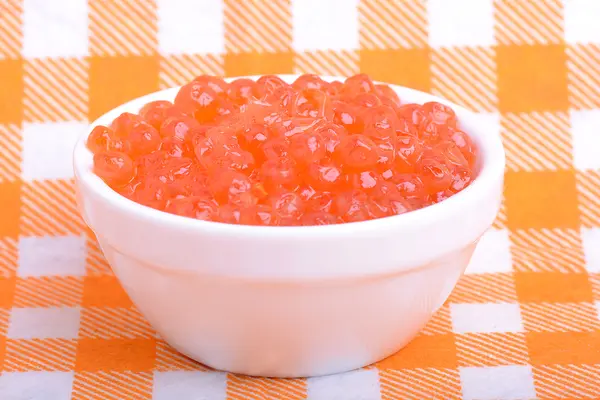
[523, 322]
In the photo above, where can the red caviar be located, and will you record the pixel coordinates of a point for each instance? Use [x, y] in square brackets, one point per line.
[269, 153]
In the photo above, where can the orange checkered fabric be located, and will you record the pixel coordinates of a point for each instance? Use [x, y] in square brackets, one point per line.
[523, 322]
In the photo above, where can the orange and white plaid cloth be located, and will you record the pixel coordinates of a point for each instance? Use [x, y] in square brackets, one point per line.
[524, 321]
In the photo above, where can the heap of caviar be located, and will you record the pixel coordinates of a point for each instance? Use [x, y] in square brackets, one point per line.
[269, 153]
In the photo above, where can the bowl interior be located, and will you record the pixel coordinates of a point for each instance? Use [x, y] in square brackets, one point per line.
[490, 161]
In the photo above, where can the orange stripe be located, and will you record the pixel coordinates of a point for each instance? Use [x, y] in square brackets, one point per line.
[567, 381]
[4, 319]
[48, 291]
[485, 288]
[179, 70]
[327, 62]
[491, 349]
[48, 208]
[529, 22]
[112, 385]
[455, 69]
[588, 189]
[392, 24]
[55, 90]
[11, 35]
[537, 141]
[419, 384]
[595, 283]
[39, 355]
[169, 359]
[244, 387]
[96, 263]
[9, 257]
[11, 143]
[113, 33]
[584, 76]
[114, 322]
[257, 26]
[546, 348]
[440, 323]
[500, 222]
[557, 317]
[547, 250]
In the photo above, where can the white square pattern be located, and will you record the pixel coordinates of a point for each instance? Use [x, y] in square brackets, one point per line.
[190, 385]
[581, 21]
[44, 323]
[36, 385]
[492, 253]
[508, 382]
[52, 255]
[313, 27]
[490, 122]
[486, 318]
[47, 149]
[591, 249]
[55, 30]
[586, 141]
[190, 27]
[461, 23]
[362, 384]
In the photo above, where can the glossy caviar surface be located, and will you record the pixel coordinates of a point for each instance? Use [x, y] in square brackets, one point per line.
[266, 152]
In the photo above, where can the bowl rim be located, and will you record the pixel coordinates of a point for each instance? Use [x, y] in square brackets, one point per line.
[491, 170]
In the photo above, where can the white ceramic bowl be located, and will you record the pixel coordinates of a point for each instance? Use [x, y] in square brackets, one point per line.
[291, 301]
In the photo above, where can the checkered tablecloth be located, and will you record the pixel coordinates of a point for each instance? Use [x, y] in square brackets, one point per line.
[524, 321]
